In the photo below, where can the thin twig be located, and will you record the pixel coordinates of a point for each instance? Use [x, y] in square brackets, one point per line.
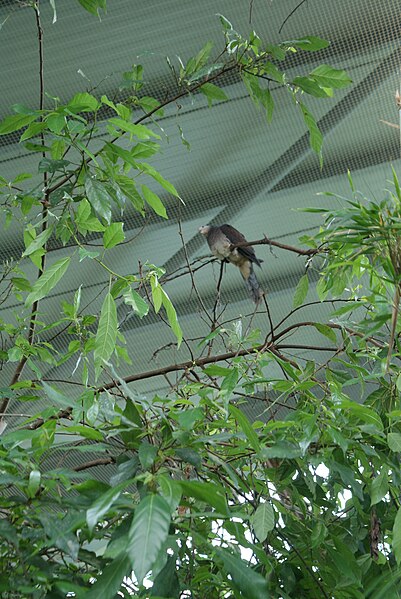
[215, 317]
[290, 15]
[93, 463]
[191, 274]
[270, 318]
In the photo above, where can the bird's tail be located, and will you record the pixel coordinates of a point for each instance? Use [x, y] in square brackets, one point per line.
[251, 282]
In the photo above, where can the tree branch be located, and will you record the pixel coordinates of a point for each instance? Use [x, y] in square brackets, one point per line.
[45, 202]
[283, 246]
[93, 463]
[212, 359]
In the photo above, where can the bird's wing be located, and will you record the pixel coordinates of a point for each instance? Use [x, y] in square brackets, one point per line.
[234, 236]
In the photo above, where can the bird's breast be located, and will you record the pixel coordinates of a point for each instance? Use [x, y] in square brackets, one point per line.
[220, 248]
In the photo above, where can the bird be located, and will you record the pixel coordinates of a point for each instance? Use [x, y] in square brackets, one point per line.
[221, 239]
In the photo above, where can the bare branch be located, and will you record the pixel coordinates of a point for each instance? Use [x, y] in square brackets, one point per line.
[93, 463]
[290, 15]
[184, 246]
[283, 246]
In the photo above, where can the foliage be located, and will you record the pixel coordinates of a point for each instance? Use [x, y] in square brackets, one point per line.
[182, 494]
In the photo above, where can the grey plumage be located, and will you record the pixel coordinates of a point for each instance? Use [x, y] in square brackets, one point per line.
[220, 240]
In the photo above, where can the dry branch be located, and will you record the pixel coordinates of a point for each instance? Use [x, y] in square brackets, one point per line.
[277, 244]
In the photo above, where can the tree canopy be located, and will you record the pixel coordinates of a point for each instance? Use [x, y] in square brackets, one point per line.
[181, 494]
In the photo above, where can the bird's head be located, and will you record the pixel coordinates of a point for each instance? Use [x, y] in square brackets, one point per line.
[204, 229]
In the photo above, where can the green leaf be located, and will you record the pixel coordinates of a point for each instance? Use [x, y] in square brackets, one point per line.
[83, 431]
[38, 242]
[326, 331]
[109, 582]
[157, 295]
[49, 279]
[57, 397]
[187, 454]
[266, 99]
[85, 150]
[57, 149]
[125, 471]
[281, 449]
[22, 177]
[85, 220]
[166, 583]
[339, 439]
[316, 137]
[119, 287]
[225, 22]
[209, 493]
[363, 413]
[379, 487]
[212, 92]
[203, 55]
[329, 77]
[147, 454]
[188, 417]
[114, 151]
[16, 122]
[92, 412]
[149, 170]
[154, 201]
[396, 184]
[310, 86]
[229, 383]
[147, 534]
[106, 335]
[83, 102]
[137, 303]
[33, 147]
[145, 149]
[47, 165]
[272, 71]
[33, 130]
[34, 483]
[148, 103]
[103, 504]
[83, 253]
[301, 291]
[251, 584]
[319, 533]
[216, 370]
[140, 131]
[21, 284]
[93, 6]
[56, 122]
[394, 442]
[344, 560]
[98, 197]
[170, 490]
[113, 235]
[246, 426]
[263, 521]
[171, 316]
[309, 43]
[397, 537]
